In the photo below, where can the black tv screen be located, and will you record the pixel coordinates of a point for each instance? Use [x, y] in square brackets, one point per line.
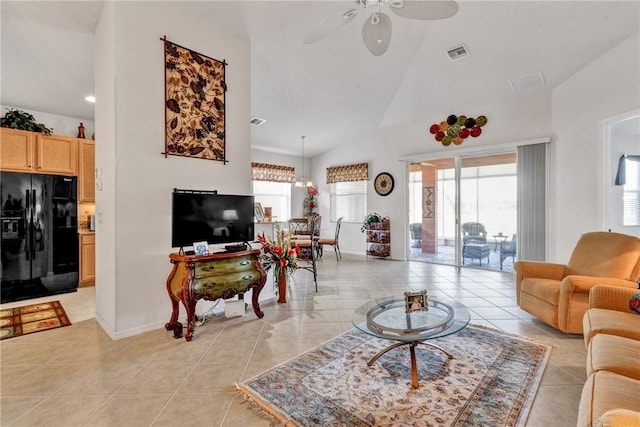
[201, 216]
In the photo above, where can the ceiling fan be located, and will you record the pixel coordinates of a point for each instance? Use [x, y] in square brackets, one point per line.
[376, 31]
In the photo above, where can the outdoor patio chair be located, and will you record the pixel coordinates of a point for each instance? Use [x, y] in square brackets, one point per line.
[508, 249]
[416, 234]
[474, 232]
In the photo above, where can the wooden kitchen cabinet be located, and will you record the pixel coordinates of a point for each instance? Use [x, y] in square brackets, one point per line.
[57, 154]
[87, 260]
[86, 171]
[24, 151]
[17, 148]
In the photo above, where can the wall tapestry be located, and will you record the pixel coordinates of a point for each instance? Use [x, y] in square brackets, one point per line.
[457, 128]
[194, 104]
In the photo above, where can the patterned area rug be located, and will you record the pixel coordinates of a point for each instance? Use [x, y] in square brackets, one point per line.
[32, 318]
[491, 381]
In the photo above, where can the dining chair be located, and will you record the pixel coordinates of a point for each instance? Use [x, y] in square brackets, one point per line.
[333, 242]
[304, 229]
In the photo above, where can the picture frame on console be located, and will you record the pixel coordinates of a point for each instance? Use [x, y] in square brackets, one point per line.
[201, 248]
[258, 212]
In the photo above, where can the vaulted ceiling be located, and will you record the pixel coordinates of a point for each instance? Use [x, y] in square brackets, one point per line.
[334, 90]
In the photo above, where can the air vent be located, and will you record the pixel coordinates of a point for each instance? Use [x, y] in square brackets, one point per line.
[528, 81]
[457, 52]
[257, 121]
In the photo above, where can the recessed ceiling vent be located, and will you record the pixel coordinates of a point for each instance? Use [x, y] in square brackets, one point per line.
[457, 52]
[528, 81]
[257, 121]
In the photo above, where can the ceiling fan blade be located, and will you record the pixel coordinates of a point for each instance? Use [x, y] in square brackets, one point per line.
[330, 24]
[425, 10]
[377, 35]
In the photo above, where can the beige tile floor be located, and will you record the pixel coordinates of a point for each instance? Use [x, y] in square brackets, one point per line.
[78, 376]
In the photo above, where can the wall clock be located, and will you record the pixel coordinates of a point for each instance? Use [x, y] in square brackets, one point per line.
[383, 183]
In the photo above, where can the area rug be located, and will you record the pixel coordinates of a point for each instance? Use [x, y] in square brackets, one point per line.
[491, 381]
[32, 318]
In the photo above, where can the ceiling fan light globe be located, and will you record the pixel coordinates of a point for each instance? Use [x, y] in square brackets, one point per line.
[377, 37]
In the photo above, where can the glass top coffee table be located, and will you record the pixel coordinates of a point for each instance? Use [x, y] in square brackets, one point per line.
[386, 318]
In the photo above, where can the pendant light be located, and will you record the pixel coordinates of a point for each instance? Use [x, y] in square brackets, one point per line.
[303, 181]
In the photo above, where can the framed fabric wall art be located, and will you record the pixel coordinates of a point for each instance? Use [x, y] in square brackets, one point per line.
[194, 104]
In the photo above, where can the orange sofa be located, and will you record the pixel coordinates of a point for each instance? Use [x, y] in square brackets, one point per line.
[611, 395]
[558, 294]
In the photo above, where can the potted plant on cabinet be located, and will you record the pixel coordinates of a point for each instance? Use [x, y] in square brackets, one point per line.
[18, 119]
[372, 218]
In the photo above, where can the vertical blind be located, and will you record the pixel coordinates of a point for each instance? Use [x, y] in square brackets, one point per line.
[532, 205]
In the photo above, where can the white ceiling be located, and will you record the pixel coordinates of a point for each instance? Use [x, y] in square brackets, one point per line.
[332, 91]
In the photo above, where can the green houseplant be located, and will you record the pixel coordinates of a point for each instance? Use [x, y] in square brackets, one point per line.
[18, 119]
[372, 218]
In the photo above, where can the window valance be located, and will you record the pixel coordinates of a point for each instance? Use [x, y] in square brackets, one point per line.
[273, 173]
[356, 172]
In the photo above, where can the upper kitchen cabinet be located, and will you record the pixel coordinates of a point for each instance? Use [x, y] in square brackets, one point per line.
[17, 150]
[57, 154]
[24, 151]
[86, 174]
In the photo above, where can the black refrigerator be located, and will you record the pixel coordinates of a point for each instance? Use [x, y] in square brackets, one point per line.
[39, 235]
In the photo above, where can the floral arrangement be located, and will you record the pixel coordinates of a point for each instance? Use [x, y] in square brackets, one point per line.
[279, 252]
[312, 193]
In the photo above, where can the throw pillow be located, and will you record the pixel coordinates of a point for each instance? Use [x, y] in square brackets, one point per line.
[634, 303]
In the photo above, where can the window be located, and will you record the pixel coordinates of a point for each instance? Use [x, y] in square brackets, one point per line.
[277, 195]
[631, 192]
[348, 200]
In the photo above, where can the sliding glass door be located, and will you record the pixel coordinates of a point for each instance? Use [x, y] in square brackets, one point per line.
[466, 210]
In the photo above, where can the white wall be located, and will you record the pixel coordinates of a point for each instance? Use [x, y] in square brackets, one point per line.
[136, 214]
[607, 87]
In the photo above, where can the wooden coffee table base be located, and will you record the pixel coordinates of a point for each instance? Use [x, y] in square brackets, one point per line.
[412, 349]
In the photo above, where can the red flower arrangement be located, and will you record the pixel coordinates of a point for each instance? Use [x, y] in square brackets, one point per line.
[282, 255]
[279, 252]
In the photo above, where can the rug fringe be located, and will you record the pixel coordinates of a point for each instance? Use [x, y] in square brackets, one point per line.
[264, 406]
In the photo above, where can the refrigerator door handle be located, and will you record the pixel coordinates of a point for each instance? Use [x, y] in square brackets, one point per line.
[33, 227]
[27, 226]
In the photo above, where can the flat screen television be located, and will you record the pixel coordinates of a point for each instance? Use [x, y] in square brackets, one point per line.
[205, 216]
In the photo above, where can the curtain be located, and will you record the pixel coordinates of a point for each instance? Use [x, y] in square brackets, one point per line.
[274, 173]
[346, 173]
[532, 209]
[621, 175]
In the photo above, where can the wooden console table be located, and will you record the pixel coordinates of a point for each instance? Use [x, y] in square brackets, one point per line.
[210, 277]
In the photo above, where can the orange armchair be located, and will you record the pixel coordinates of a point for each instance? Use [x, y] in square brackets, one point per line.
[558, 294]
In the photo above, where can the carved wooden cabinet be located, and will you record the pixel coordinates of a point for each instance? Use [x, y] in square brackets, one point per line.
[24, 151]
[210, 277]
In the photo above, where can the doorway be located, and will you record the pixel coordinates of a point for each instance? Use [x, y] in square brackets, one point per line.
[621, 156]
[464, 210]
